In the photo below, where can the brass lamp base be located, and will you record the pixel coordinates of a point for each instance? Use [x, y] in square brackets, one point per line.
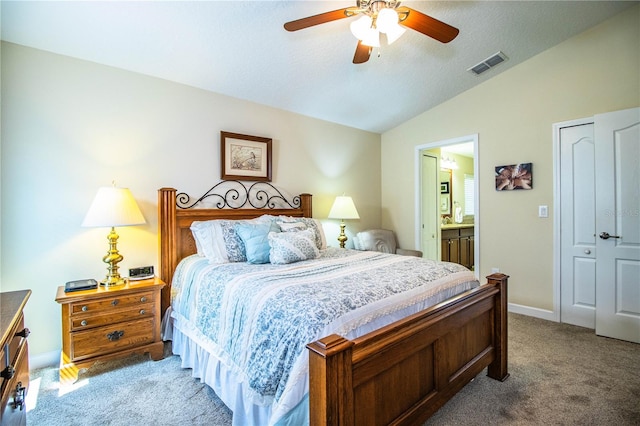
[112, 259]
[342, 238]
[114, 281]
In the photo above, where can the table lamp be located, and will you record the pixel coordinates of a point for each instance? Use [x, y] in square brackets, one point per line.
[343, 208]
[113, 207]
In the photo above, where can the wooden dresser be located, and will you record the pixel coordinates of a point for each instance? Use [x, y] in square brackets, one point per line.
[14, 358]
[109, 322]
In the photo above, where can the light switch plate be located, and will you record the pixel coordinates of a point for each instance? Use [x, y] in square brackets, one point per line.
[543, 211]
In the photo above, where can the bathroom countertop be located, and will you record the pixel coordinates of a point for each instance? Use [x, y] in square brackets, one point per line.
[457, 225]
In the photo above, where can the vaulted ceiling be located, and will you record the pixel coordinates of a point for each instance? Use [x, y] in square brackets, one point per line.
[240, 49]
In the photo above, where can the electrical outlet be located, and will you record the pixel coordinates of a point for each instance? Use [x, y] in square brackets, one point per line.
[543, 211]
[495, 270]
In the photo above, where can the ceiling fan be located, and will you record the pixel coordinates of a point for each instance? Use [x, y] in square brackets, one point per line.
[379, 16]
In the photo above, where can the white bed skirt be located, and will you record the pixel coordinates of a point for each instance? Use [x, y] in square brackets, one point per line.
[224, 382]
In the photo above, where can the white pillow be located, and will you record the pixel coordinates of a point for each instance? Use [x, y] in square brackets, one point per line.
[289, 247]
[209, 240]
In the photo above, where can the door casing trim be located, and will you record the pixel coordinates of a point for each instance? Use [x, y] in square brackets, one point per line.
[418, 195]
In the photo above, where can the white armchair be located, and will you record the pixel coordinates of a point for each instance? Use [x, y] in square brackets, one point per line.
[382, 240]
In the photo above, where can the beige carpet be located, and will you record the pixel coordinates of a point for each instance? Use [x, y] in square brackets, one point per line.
[560, 375]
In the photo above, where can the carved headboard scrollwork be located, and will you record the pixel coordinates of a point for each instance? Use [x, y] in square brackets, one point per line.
[234, 194]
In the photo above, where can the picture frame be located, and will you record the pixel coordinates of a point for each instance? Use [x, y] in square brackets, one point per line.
[444, 187]
[245, 157]
[445, 205]
[514, 177]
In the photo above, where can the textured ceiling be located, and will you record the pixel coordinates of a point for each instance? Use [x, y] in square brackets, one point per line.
[240, 49]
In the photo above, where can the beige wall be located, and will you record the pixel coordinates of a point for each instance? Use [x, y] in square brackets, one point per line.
[70, 126]
[513, 113]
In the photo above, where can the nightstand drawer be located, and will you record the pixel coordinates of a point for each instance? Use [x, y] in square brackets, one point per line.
[112, 338]
[83, 322]
[116, 301]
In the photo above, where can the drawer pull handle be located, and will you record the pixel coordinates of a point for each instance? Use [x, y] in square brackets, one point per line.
[116, 335]
[142, 312]
[115, 302]
[24, 333]
[85, 308]
[143, 299]
[83, 323]
[18, 400]
[8, 372]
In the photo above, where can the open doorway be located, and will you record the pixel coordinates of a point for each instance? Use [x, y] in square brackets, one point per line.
[447, 200]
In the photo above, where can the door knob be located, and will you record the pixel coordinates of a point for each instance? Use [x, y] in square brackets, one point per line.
[606, 236]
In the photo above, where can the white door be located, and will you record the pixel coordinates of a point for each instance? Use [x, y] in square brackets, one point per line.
[430, 202]
[617, 161]
[577, 224]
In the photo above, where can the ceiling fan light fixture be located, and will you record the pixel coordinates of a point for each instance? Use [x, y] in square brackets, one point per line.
[387, 20]
[372, 38]
[361, 26]
[379, 16]
[394, 33]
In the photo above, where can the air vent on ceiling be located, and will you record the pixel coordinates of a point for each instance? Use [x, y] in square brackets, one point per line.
[488, 63]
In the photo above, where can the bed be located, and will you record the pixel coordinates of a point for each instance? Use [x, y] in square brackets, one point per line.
[397, 367]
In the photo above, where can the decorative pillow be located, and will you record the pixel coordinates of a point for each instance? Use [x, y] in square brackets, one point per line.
[233, 244]
[218, 241]
[289, 247]
[255, 239]
[290, 223]
[292, 226]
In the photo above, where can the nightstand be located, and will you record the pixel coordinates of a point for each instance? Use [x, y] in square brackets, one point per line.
[109, 322]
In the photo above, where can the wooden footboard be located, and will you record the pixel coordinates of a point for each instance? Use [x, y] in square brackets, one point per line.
[403, 373]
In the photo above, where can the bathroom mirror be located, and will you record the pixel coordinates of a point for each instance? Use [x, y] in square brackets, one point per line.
[445, 192]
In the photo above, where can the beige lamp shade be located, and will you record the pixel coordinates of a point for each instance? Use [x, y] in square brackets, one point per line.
[343, 208]
[113, 207]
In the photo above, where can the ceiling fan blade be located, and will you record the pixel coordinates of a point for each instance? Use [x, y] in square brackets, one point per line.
[429, 26]
[322, 18]
[362, 53]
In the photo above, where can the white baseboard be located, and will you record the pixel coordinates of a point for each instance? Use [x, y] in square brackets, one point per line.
[48, 359]
[533, 312]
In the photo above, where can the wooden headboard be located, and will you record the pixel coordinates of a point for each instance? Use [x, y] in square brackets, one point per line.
[175, 216]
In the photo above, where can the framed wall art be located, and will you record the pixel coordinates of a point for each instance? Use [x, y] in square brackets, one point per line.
[444, 187]
[245, 157]
[515, 176]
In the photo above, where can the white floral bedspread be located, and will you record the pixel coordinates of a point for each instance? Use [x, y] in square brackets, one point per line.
[257, 319]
